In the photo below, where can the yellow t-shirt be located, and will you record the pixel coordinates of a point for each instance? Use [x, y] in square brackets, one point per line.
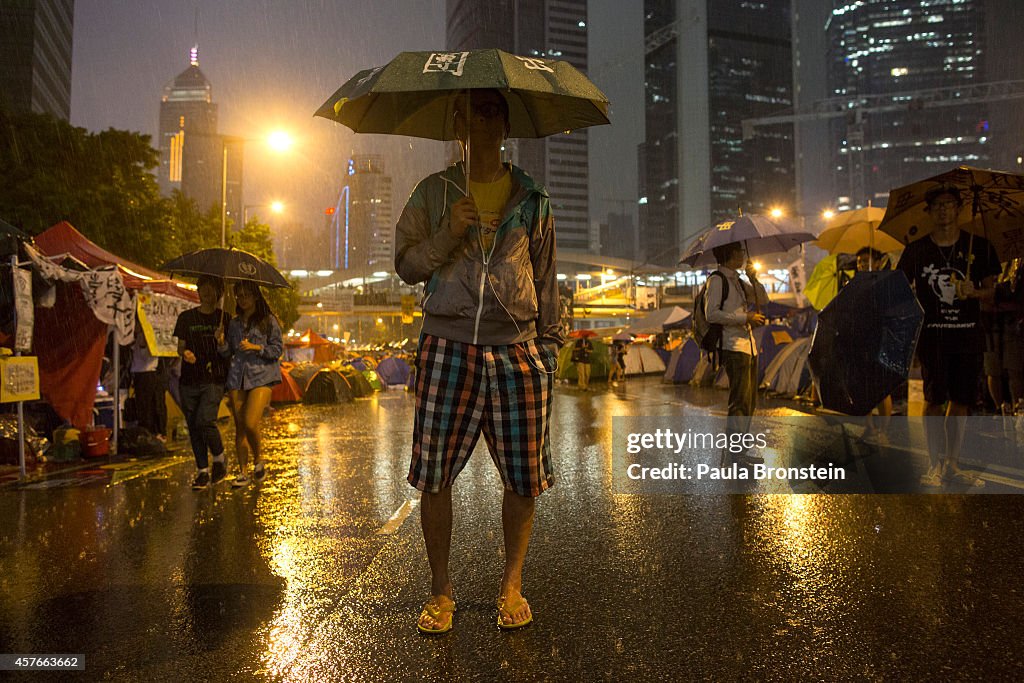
[490, 201]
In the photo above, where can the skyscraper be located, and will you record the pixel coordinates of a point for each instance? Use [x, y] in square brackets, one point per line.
[364, 229]
[709, 65]
[554, 29]
[899, 49]
[192, 153]
[35, 70]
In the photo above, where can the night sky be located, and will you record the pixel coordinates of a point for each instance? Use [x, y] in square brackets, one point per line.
[272, 64]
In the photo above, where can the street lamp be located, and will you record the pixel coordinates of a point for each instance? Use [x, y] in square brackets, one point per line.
[275, 207]
[279, 141]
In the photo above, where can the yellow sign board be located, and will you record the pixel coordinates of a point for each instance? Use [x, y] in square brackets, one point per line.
[19, 379]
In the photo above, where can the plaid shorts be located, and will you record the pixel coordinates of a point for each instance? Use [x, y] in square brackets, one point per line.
[503, 391]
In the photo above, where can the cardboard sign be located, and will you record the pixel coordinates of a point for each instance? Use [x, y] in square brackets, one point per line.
[19, 379]
[157, 315]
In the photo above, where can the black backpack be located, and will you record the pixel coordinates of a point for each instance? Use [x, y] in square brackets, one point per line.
[708, 335]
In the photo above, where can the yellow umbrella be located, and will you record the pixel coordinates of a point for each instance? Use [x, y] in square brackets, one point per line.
[823, 285]
[850, 231]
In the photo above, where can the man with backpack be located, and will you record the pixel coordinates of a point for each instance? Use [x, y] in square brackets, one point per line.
[727, 301]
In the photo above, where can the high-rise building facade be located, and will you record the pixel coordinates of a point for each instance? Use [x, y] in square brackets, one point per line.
[899, 49]
[364, 229]
[192, 152]
[551, 29]
[709, 64]
[35, 69]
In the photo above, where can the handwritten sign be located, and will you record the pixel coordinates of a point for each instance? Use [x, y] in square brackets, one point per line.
[24, 310]
[19, 379]
[157, 315]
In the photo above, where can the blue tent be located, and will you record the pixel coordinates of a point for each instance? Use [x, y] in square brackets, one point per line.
[682, 362]
[393, 370]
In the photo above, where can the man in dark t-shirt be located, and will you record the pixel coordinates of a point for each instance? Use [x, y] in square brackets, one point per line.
[951, 272]
[203, 372]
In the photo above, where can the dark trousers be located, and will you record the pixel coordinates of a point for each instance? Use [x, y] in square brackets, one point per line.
[150, 404]
[741, 369]
[200, 403]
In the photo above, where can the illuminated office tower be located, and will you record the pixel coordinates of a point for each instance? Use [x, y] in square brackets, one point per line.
[708, 65]
[903, 52]
[364, 232]
[191, 151]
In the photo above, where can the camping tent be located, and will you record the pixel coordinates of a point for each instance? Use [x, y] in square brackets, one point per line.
[657, 322]
[361, 387]
[770, 340]
[327, 386]
[642, 360]
[789, 373]
[683, 362]
[393, 371]
[288, 391]
[310, 346]
[599, 360]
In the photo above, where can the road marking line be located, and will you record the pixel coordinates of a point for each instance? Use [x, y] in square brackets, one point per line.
[398, 518]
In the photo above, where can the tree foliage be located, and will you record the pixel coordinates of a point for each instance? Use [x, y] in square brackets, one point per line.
[99, 182]
[103, 184]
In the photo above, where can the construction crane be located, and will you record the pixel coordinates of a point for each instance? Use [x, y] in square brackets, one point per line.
[856, 108]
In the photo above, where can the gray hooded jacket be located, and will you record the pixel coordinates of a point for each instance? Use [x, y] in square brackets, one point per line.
[506, 297]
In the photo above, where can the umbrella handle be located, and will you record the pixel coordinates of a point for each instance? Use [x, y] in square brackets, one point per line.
[757, 304]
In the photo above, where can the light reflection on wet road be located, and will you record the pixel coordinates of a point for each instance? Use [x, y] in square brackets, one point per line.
[292, 581]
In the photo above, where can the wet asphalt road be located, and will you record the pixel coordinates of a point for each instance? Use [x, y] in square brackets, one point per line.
[294, 579]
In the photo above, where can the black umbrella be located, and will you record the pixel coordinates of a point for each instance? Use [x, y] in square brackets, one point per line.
[864, 344]
[229, 264]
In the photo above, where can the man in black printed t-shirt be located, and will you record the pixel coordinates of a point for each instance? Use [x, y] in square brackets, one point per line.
[203, 372]
[951, 272]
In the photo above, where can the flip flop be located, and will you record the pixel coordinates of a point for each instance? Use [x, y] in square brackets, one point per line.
[436, 608]
[507, 608]
[965, 478]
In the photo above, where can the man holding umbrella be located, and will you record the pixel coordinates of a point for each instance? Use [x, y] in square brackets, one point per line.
[951, 272]
[728, 303]
[485, 246]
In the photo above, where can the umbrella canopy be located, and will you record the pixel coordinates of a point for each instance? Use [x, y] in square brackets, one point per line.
[414, 94]
[761, 235]
[229, 264]
[582, 334]
[823, 285]
[864, 344]
[850, 231]
[993, 208]
[623, 337]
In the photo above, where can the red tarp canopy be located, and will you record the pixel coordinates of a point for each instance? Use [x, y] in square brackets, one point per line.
[62, 238]
[68, 339]
[322, 351]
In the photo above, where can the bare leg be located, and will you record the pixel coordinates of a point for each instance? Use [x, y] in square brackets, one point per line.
[255, 405]
[436, 520]
[956, 425]
[995, 390]
[517, 525]
[236, 400]
[935, 437]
